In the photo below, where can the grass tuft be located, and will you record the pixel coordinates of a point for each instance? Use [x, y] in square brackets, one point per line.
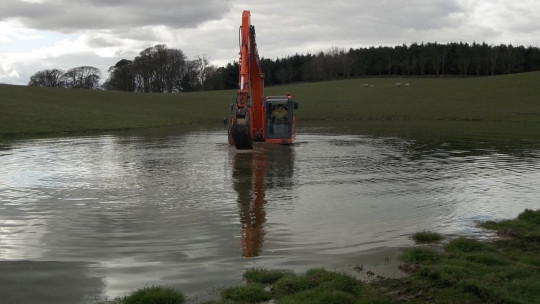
[530, 216]
[462, 244]
[319, 296]
[486, 259]
[155, 295]
[265, 276]
[526, 222]
[316, 279]
[291, 284]
[420, 254]
[525, 230]
[250, 293]
[426, 237]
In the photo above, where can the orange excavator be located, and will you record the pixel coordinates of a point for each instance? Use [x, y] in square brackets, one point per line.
[254, 118]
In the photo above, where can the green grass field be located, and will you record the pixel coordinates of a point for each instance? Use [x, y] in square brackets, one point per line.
[500, 102]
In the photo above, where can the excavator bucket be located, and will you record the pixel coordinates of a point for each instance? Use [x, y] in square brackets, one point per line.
[241, 130]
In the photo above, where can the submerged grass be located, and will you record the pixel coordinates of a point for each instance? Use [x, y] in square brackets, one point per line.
[498, 104]
[464, 270]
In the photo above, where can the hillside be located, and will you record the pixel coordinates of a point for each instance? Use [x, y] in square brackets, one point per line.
[503, 100]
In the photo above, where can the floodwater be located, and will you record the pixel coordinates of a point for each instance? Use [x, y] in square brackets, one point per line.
[90, 218]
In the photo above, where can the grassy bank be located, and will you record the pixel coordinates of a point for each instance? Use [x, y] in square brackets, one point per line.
[461, 270]
[36, 110]
[504, 102]
[506, 270]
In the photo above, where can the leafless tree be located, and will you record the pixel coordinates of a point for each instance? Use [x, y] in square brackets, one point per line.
[83, 77]
[47, 78]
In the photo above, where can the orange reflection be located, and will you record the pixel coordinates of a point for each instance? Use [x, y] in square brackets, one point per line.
[254, 172]
[248, 175]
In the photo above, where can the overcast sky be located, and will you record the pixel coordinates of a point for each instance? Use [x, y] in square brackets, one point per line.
[45, 34]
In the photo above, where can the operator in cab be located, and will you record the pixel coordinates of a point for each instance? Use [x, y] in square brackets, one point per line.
[279, 113]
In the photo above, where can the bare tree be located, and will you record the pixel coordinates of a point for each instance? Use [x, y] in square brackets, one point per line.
[190, 79]
[175, 67]
[159, 69]
[83, 77]
[213, 79]
[202, 63]
[47, 78]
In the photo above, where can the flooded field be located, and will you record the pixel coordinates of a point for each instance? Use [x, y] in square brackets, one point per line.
[90, 218]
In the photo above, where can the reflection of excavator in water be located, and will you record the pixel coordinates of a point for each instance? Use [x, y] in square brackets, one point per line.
[255, 118]
[264, 169]
[249, 172]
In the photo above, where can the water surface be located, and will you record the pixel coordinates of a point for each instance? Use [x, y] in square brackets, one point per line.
[85, 218]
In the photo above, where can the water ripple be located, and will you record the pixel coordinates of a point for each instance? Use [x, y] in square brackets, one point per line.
[146, 209]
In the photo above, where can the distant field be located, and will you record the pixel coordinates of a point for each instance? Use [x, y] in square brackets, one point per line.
[500, 102]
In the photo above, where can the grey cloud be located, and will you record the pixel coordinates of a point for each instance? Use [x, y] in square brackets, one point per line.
[101, 42]
[71, 16]
[26, 69]
[354, 23]
[122, 28]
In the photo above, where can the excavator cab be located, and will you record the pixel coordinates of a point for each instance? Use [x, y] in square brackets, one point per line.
[279, 117]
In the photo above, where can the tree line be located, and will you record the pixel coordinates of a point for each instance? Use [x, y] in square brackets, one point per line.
[431, 59]
[160, 69]
[83, 77]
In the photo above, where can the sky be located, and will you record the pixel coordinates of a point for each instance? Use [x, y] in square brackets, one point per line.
[44, 34]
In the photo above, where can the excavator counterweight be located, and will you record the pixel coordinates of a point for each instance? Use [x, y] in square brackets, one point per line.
[253, 117]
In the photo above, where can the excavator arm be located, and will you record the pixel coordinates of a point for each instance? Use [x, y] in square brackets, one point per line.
[248, 53]
[248, 122]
